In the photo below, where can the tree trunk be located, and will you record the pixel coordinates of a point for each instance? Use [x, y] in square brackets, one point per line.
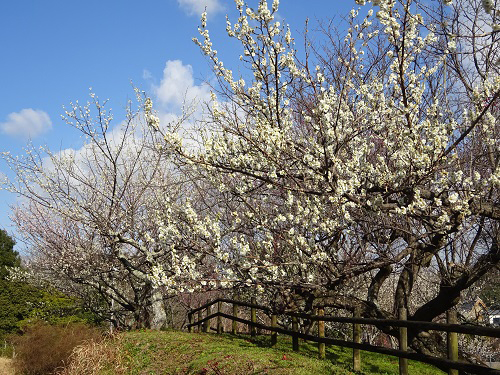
[158, 316]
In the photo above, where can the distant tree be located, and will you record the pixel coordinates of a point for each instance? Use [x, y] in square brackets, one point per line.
[490, 291]
[92, 217]
[8, 257]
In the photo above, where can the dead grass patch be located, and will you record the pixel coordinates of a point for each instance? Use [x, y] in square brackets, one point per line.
[94, 358]
[45, 349]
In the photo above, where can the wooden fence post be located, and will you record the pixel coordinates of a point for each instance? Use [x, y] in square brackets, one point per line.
[321, 334]
[206, 327]
[403, 343]
[253, 313]
[190, 321]
[356, 337]
[312, 323]
[234, 327]
[295, 338]
[452, 339]
[200, 317]
[274, 334]
[219, 318]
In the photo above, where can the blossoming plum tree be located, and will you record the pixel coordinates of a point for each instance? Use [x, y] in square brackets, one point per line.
[384, 161]
[110, 219]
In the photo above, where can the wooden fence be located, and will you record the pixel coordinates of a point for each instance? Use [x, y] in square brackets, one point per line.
[204, 315]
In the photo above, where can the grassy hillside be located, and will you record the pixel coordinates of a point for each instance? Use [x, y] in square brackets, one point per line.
[172, 352]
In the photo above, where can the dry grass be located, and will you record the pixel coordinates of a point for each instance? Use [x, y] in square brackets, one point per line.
[6, 367]
[44, 349]
[93, 358]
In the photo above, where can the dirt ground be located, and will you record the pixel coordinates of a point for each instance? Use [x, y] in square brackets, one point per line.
[5, 366]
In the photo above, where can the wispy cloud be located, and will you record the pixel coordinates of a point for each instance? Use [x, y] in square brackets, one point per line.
[28, 123]
[197, 7]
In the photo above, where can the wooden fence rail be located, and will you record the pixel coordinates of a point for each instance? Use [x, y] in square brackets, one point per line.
[451, 363]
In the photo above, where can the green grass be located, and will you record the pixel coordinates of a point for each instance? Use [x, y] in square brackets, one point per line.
[173, 352]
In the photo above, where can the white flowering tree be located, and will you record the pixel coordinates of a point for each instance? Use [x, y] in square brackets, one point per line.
[382, 162]
[66, 256]
[464, 55]
[113, 219]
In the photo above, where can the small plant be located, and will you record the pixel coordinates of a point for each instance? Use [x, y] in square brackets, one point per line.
[44, 349]
[6, 348]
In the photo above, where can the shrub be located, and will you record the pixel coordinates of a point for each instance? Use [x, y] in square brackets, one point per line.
[44, 348]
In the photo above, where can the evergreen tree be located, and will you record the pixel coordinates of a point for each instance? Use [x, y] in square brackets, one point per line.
[8, 257]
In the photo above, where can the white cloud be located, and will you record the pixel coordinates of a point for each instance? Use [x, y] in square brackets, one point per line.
[177, 86]
[197, 7]
[28, 123]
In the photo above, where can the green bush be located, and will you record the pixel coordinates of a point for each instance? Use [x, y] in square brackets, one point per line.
[44, 348]
[22, 303]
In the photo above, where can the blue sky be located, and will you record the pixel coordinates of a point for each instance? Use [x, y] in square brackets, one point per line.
[54, 50]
